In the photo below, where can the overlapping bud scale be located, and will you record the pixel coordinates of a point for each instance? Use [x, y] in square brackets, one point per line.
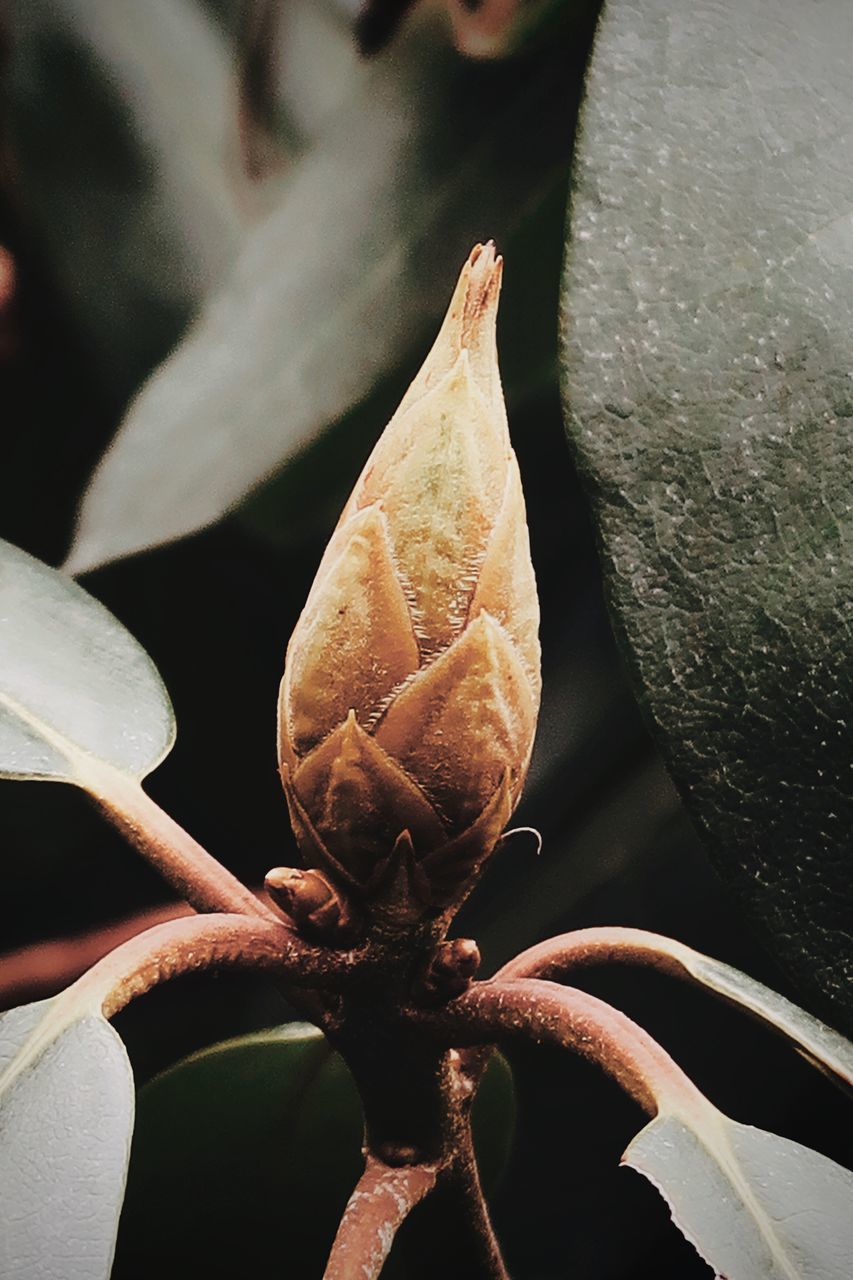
[411, 686]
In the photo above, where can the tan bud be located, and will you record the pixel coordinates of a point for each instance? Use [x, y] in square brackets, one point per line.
[411, 685]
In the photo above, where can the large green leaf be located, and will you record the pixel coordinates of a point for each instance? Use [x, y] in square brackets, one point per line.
[709, 308]
[349, 271]
[80, 700]
[756, 1206]
[66, 1115]
[259, 1133]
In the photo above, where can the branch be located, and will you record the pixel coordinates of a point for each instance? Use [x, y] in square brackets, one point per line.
[181, 860]
[381, 1201]
[198, 943]
[42, 969]
[456, 1215]
[553, 959]
[572, 1019]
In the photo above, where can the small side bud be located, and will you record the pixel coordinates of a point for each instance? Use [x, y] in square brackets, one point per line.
[411, 685]
[450, 971]
[314, 904]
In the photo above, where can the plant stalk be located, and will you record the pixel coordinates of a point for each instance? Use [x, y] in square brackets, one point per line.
[554, 958]
[382, 1199]
[197, 943]
[194, 873]
[542, 1011]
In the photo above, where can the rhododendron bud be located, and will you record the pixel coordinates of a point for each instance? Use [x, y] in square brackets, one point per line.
[411, 686]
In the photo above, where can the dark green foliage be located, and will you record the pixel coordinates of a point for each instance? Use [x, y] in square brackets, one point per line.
[708, 309]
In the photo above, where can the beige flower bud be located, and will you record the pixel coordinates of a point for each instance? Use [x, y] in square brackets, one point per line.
[411, 685]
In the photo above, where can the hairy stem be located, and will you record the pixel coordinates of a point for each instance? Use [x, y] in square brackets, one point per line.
[482, 1241]
[556, 957]
[552, 1014]
[417, 1108]
[382, 1199]
[553, 958]
[206, 942]
[181, 860]
[452, 1235]
[44, 968]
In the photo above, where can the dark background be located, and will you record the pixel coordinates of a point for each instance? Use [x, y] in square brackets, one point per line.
[215, 612]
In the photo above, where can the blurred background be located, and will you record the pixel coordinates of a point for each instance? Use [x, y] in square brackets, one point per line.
[228, 236]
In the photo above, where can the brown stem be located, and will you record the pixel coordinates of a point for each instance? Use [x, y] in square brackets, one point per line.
[564, 1016]
[382, 1199]
[44, 968]
[482, 1242]
[205, 942]
[181, 860]
[451, 1235]
[553, 958]
[417, 1108]
[260, 151]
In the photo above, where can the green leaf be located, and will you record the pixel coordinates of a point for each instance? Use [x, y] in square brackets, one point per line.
[263, 1133]
[756, 1206]
[345, 276]
[79, 697]
[66, 1115]
[709, 306]
[137, 206]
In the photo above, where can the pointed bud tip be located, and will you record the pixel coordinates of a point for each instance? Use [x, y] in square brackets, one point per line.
[482, 276]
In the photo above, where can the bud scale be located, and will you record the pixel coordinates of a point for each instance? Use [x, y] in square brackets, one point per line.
[411, 687]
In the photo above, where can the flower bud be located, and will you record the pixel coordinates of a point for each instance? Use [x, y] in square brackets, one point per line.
[411, 684]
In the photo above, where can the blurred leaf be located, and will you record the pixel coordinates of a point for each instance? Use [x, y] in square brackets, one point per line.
[709, 306]
[137, 204]
[316, 64]
[755, 1206]
[66, 1115]
[337, 285]
[77, 693]
[261, 1133]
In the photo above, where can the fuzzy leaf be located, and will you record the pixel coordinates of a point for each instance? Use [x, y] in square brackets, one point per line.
[66, 1115]
[709, 308]
[340, 281]
[756, 1206]
[77, 692]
